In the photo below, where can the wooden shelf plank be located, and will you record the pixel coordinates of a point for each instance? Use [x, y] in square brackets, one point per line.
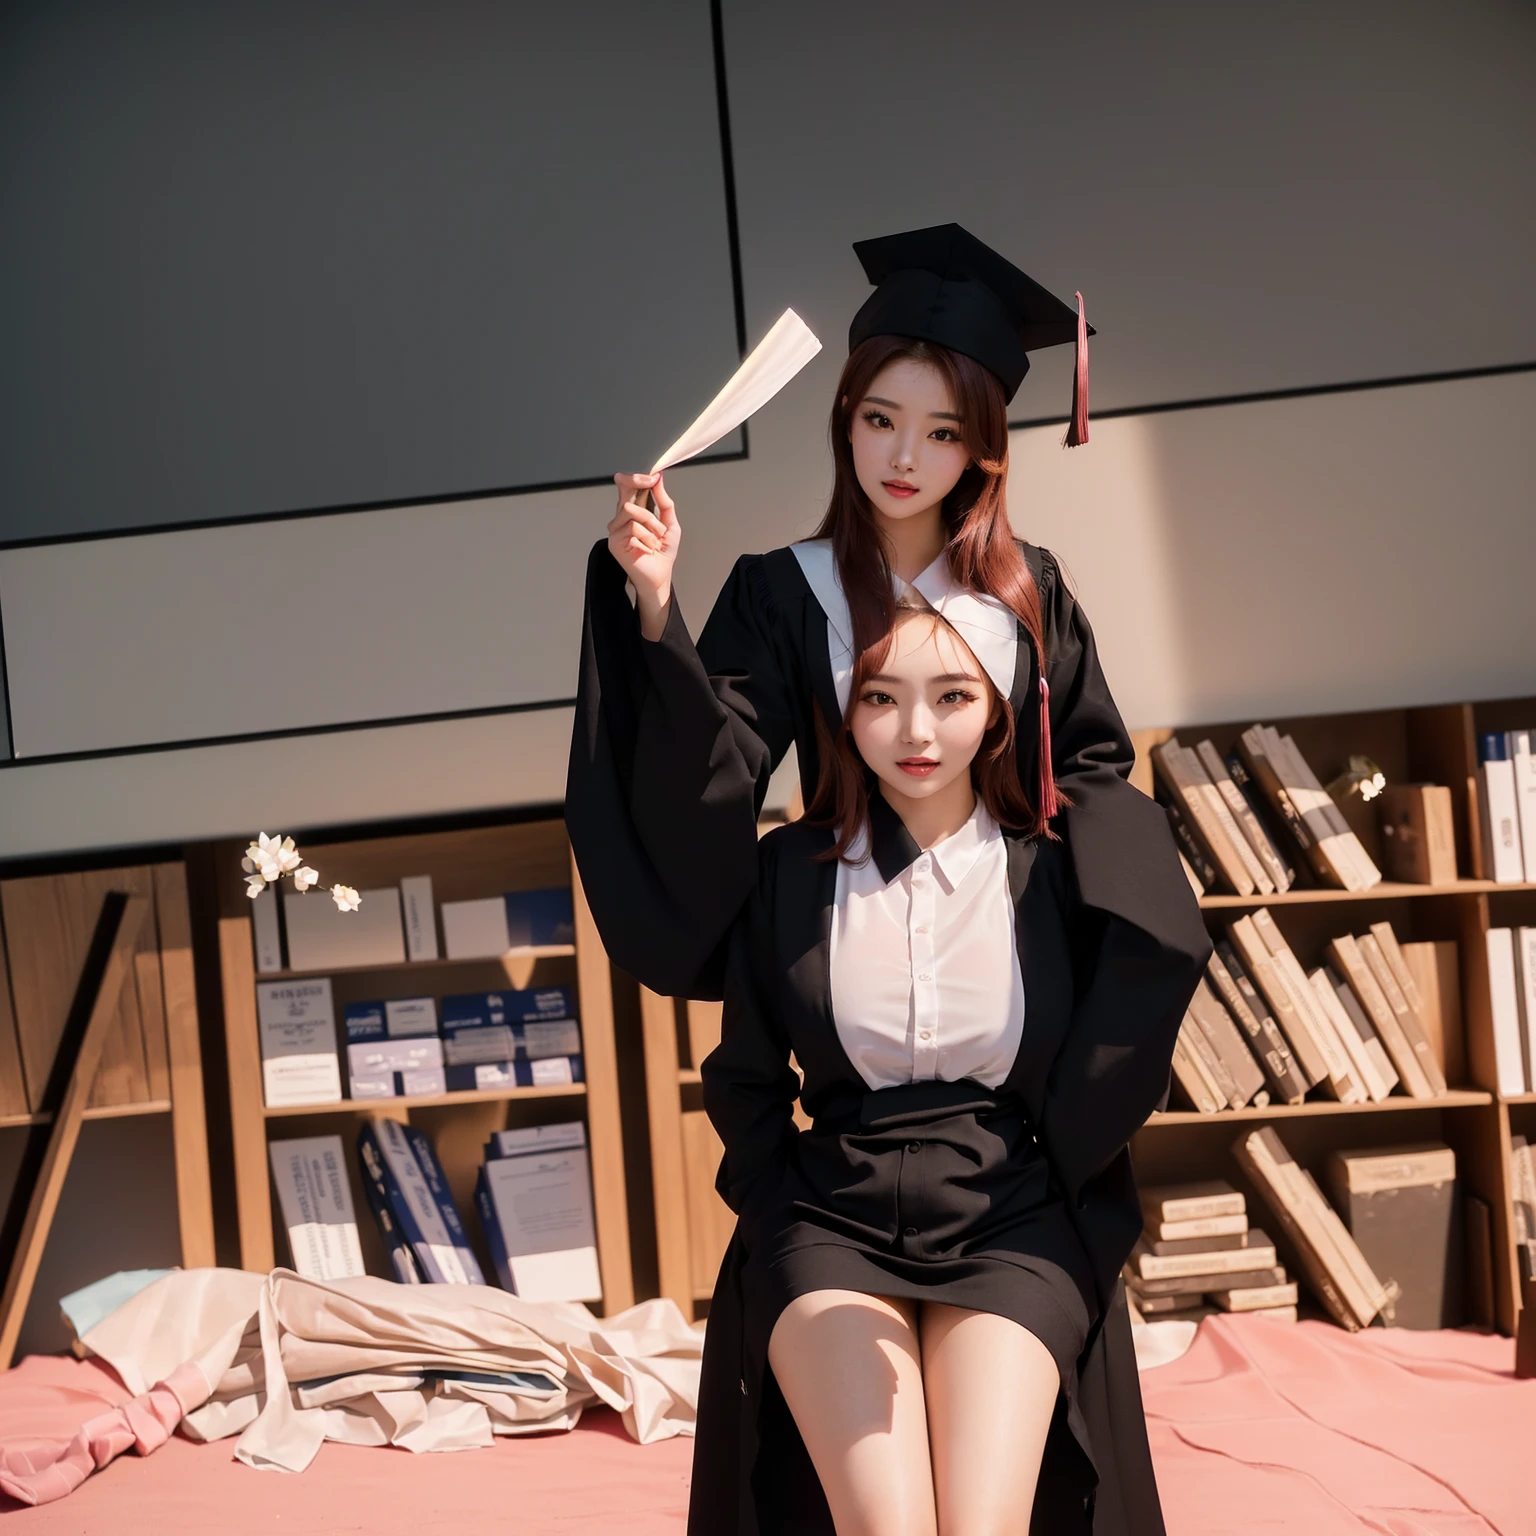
[1387, 890]
[1520, 1098]
[427, 1100]
[527, 952]
[94, 1112]
[1456, 1098]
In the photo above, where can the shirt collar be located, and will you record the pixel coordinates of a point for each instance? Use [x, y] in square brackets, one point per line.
[895, 850]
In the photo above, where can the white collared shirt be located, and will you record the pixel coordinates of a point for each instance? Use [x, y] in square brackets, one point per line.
[925, 972]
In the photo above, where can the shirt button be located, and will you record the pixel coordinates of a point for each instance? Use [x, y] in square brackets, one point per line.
[910, 1232]
[923, 929]
[924, 976]
[914, 1146]
[925, 1034]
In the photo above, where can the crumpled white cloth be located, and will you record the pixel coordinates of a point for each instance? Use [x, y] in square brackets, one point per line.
[292, 1362]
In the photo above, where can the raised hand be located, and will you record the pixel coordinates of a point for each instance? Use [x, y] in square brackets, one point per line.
[645, 543]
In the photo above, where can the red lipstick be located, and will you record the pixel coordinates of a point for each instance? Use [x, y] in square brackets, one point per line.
[917, 767]
[899, 488]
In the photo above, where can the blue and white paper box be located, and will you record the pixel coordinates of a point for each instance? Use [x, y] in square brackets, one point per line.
[400, 1018]
[546, 1072]
[509, 1026]
[539, 918]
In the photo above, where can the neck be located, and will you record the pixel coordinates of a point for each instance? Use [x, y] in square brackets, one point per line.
[913, 543]
[933, 817]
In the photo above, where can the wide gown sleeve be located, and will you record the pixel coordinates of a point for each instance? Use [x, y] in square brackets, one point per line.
[1141, 944]
[667, 773]
[749, 1085]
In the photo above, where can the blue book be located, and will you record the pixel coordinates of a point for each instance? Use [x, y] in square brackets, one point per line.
[414, 1202]
[546, 1072]
[377, 1182]
[493, 1235]
[437, 1184]
[1492, 747]
[540, 917]
[536, 1005]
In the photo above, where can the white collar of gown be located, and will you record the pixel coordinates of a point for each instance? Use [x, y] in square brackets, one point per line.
[987, 625]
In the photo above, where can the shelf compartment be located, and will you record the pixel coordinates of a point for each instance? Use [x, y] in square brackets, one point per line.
[426, 1100]
[1456, 1098]
[93, 1112]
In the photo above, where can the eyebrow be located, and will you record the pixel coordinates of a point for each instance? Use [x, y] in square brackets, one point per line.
[896, 406]
[943, 677]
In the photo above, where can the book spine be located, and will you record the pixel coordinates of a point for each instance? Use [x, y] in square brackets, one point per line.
[1227, 1261]
[1199, 1043]
[1248, 1008]
[1266, 975]
[381, 1193]
[1363, 1029]
[1522, 755]
[1360, 861]
[1198, 1226]
[420, 917]
[1265, 775]
[1228, 1043]
[1504, 998]
[1345, 953]
[495, 1238]
[1189, 845]
[1195, 883]
[1501, 833]
[413, 1205]
[1524, 946]
[1314, 811]
[265, 933]
[1267, 816]
[1190, 1074]
[1242, 814]
[437, 1187]
[1168, 761]
[1344, 1027]
[1202, 785]
[1407, 1020]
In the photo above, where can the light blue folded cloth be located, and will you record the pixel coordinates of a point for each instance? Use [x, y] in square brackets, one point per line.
[84, 1308]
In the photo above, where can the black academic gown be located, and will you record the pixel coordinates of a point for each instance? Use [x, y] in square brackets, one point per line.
[671, 753]
[1103, 1005]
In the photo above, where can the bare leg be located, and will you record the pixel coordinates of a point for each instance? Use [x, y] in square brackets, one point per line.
[850, 1370]
[991, 1388]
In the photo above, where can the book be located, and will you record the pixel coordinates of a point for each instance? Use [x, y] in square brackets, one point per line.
[540, 919]
[509, 1026]
[1345, 954]
[1257, 1254]
[377, 1187]
[1171, 763]
[1376, 1085]
[475, 930]
[1504, 1004]
[1192, 1202]
[1385, 958]
[1522, 757]
[1206, 1281]
[266, 934]
[1159, 1245]
[1195, 883]
[1269, 816]
[1366, 1031]
[1524, 946]
[537, 1210]
[1200, 1047]
[388, 1069]
[1418, 838]
[1401, 1206]
[1228, 1042]
[1265, 1040]
[1189, 847]
[1499, 819]
[313, 1194]
[1362, 866]
[1272, 769]
[1435, 965]
[1339, 1075]
[1197, 1226]
[1257, 961]
[299, 1064]
[1258, 839]
[1328, 1256]
[321, 937]
[1195, 1083]
[420, 1202]
[1205, 786]
[1281, 1295]
[420, 917]
[537, 1138]
[543, 1072]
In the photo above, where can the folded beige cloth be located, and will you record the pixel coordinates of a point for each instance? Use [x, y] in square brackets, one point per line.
[292, 1362]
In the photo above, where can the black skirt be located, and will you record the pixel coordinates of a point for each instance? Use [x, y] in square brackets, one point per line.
[931, 1191]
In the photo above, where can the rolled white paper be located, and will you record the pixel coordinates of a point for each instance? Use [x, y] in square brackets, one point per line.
[770, 365]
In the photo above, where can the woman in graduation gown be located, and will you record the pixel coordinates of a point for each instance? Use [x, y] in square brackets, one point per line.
[674, 743]
[916, 1276]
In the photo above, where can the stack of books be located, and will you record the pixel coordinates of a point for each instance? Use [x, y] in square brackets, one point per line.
[1506, 802]
[394, 1049]
[1197, 1254]
[527, 1039]
[1246, 822]
[1512, 997]
[1336, 1271]
[1522, 1185]
[1263, 1029]
[534, 1195]
[406, 1190]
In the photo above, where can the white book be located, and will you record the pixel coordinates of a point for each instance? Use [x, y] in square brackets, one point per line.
[321, 937]
[1525, 993]
[1508, 1056]
[311, 1177]
[299, 1064]
[542, 1202]
[1501, 816]
[475, 930]
[1523, 757]
[264, 932]
[538, 1138]
[420, 917]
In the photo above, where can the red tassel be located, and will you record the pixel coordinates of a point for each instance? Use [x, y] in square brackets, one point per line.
[1050, 803]
[1077, 428]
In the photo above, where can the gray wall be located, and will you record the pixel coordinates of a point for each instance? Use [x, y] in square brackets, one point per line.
[1250, 199]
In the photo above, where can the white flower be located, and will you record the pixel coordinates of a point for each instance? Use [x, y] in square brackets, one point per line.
[254, 886]
[288, 856]
[346, 899]
[264, 856]
[304, 878]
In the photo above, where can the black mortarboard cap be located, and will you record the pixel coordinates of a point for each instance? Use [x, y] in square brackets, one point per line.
[943, 285]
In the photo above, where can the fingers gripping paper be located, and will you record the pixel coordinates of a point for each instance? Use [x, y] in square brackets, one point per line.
[771, 364]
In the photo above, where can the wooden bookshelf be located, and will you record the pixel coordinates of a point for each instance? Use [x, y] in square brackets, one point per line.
[464, 864]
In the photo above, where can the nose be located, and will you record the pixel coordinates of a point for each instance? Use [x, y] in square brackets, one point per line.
[917, 725]
[904, 454]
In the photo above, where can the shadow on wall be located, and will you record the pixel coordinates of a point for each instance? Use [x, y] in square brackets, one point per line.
[1298, 555]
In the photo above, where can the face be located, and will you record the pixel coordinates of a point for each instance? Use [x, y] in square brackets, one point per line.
[920, 720]
[905, 435]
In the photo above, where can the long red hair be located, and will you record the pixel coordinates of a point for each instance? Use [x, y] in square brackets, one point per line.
[983, 554]
[841, 799]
